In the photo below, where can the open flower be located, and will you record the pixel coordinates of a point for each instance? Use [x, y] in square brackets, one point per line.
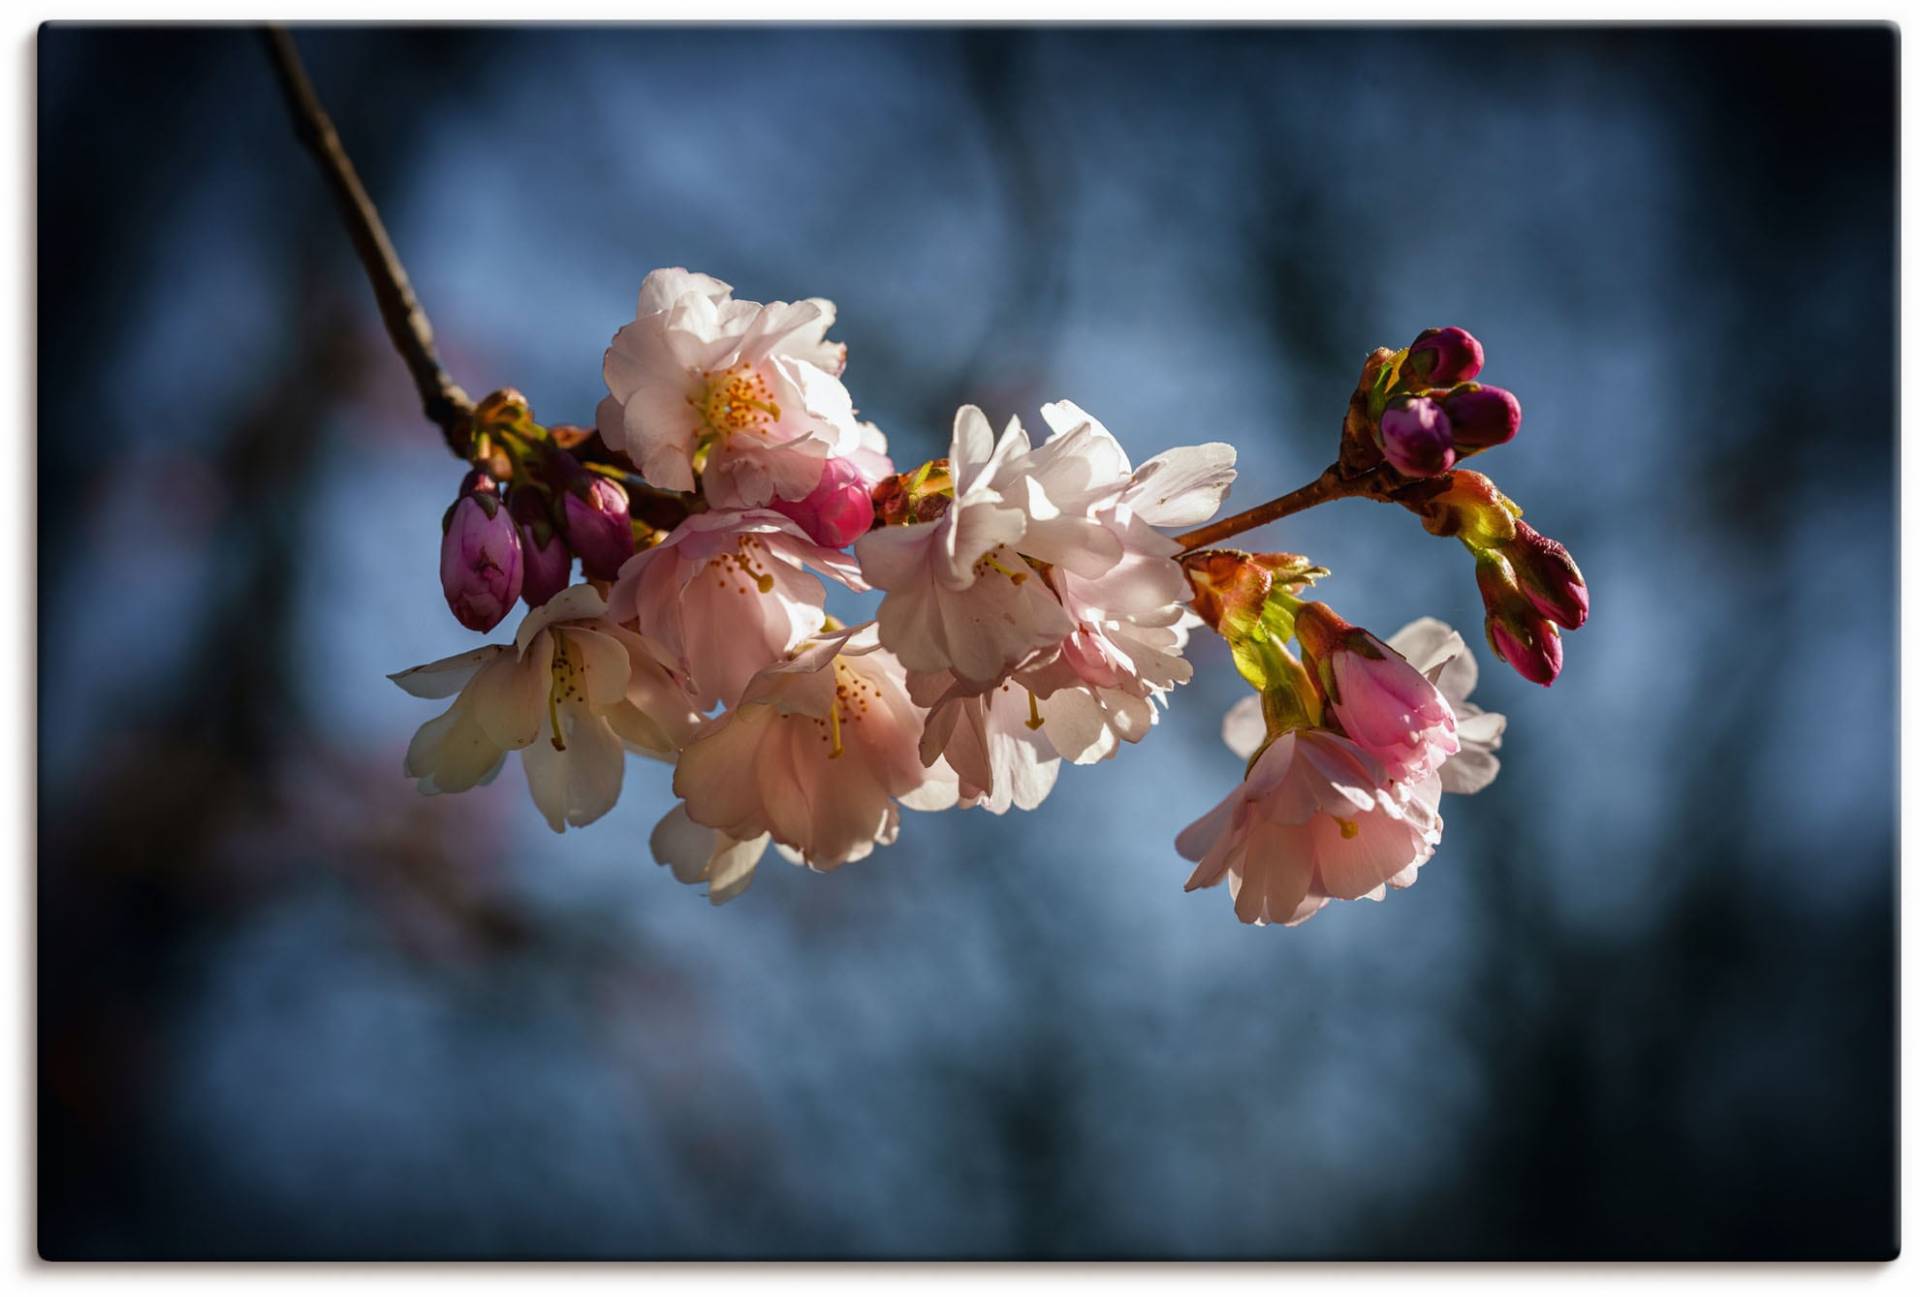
[1316, 819]
[821, 751]
[570, 695]
[961, 593]
[727, 593]
[1130, 621]
[959, 596]
[993, 739]
[754, 386]
[1436, 650]
[698, 854]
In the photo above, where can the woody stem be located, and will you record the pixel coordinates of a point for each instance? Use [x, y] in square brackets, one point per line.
[1330, 485]
[443, 400]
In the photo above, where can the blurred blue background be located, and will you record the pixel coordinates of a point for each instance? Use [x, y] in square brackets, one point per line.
[1640, 1004]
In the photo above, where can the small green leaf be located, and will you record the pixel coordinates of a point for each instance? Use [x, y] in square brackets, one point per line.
[1383, 383]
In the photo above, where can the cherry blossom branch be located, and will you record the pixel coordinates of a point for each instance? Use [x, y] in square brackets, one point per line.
[443, 400]
[1330, 485]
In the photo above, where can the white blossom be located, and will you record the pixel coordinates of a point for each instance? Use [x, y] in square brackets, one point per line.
[756, 387]
[571, 695]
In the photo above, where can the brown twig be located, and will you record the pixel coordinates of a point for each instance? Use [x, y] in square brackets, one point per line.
[443, 400]
[1330, 485]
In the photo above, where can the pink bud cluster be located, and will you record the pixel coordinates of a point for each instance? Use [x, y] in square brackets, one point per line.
[561, 503]
[494, 552]
[1529, 584]
[1424, 430]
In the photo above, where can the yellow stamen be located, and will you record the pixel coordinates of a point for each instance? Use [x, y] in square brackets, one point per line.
[562, 685]
[1348, 828]
[735, 401]
[833, 728]
[1003, 569]
[1033, 711]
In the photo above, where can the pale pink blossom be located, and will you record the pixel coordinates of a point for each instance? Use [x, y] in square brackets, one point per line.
[1130, 621]
[1083, 467]
[572, 694]
[1438, 652]
[757, 386]
[961, 590]
[726, 593]
[1316, 819]
[820, 752]
[698, 854]
[870, 457]
[992, 738]
[959, 595]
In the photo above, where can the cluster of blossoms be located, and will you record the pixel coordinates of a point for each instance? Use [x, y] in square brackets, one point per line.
[1035, 612]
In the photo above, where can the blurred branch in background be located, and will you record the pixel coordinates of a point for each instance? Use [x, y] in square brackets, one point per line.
[444, 401]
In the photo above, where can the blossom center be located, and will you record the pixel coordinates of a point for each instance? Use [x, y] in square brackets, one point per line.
[853, 697]
[564, 688]
[736, 400]
[743, 568]
[991, 562]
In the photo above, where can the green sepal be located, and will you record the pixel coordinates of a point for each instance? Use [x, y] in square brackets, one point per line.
[1259, 643]
[1383, 384]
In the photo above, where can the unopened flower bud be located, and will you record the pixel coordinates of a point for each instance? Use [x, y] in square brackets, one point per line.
[480, 559]
[1520, 636]
[1416, 437]
[1482, 416]
[1547, 576]
[1383, 703]
[1471, 507]
[837, 512]
[549, 563]
[598, 527]
[1441, 358]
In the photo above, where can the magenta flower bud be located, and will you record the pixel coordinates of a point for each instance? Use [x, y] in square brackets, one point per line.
[1534, 651]
[1416, 437]
[837, 512]
[1481, 416]
[549, 563]
[598, 527]
[480, 560]
[1547, 576]
[1521, 637]
[1441, 358]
